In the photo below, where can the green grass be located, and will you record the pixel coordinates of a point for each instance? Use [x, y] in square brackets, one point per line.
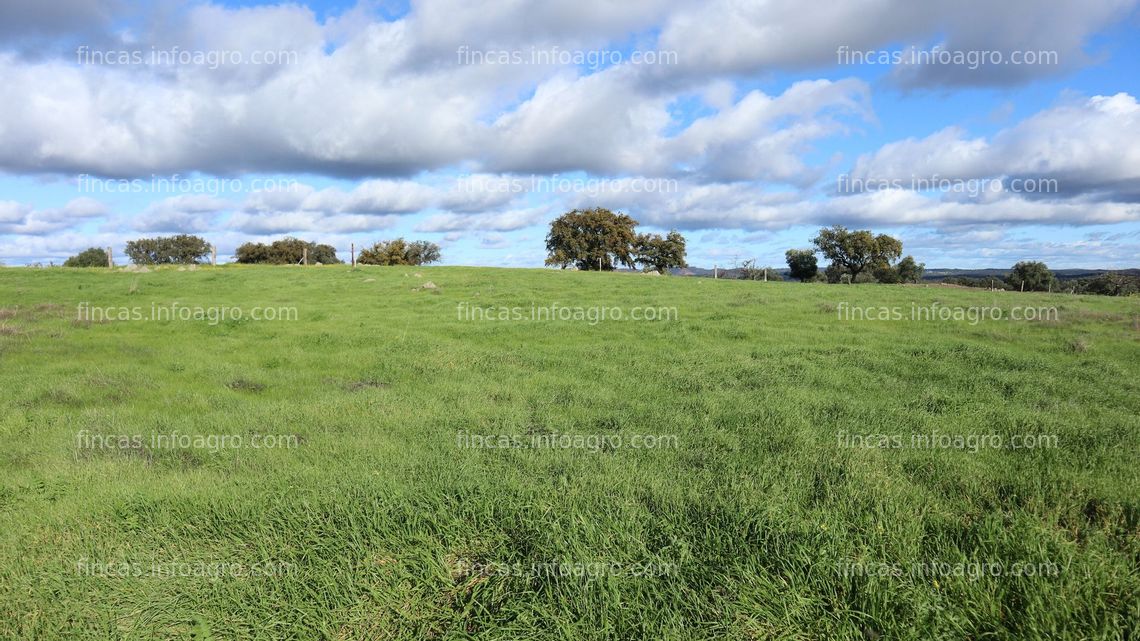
[382, 527]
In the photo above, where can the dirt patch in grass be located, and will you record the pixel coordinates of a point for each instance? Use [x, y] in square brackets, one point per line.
[243, 385]
[10, 330]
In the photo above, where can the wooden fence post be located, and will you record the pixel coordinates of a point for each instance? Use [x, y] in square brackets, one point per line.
[305, 256]
[214, 255]
[110, 261]
[353, 251]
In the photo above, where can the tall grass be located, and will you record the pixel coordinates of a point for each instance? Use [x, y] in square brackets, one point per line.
[769, 507]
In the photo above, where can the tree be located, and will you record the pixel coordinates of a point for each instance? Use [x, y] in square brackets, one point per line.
[660, 254]
[1033, 276]
[883, 273]
[592, 239]
[854, 251]
[802, 264]
[287, 251]
[835, 273]
[400, 252]
[182, 249]
[421, 252]
[92, 257]
[910, 271]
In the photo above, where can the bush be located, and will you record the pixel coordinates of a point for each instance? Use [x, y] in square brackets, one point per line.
[91, 257]
[882, 273]
[287, 251]
[835, 273]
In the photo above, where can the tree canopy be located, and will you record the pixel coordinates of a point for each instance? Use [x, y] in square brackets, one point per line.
[592, 239]
[182, 249]
[1031, 275]
[802, 264]
[660, 254]
[287, 251]
[91, 257]
[855, 251]
[400, 252]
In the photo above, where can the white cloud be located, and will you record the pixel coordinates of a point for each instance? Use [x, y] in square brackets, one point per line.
[1089, 148]
[183, 214]
[729, 36]
[391, 104]
[502, 221]
[21, 218]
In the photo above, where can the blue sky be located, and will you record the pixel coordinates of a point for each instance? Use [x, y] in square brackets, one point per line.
[742, 125]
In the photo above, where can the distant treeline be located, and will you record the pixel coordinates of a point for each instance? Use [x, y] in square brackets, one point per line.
[1111, 283]
[599, 239]
[185, 249]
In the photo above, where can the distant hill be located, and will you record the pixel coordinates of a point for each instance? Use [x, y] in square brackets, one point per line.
[701, 272]
[934, 273]
[1062, 274]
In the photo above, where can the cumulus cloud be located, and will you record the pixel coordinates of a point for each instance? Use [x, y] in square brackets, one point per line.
[302, 221]
[359, 103]
[22, 218]
[1086, 149]
[727, 36]
[472, 147]
[181, 214]
[906, 207]
[501, 221]
[764, 137]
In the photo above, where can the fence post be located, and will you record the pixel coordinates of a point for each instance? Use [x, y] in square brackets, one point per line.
[305, 256]
[214, 255]
[110, 260]
[353, 251]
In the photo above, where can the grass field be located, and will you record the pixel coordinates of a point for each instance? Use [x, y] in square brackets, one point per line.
[772, 504]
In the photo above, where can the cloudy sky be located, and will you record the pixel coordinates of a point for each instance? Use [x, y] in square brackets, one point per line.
[980, 133]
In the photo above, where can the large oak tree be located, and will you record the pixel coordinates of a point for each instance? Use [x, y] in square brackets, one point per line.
[855, 251]
[592, 239]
